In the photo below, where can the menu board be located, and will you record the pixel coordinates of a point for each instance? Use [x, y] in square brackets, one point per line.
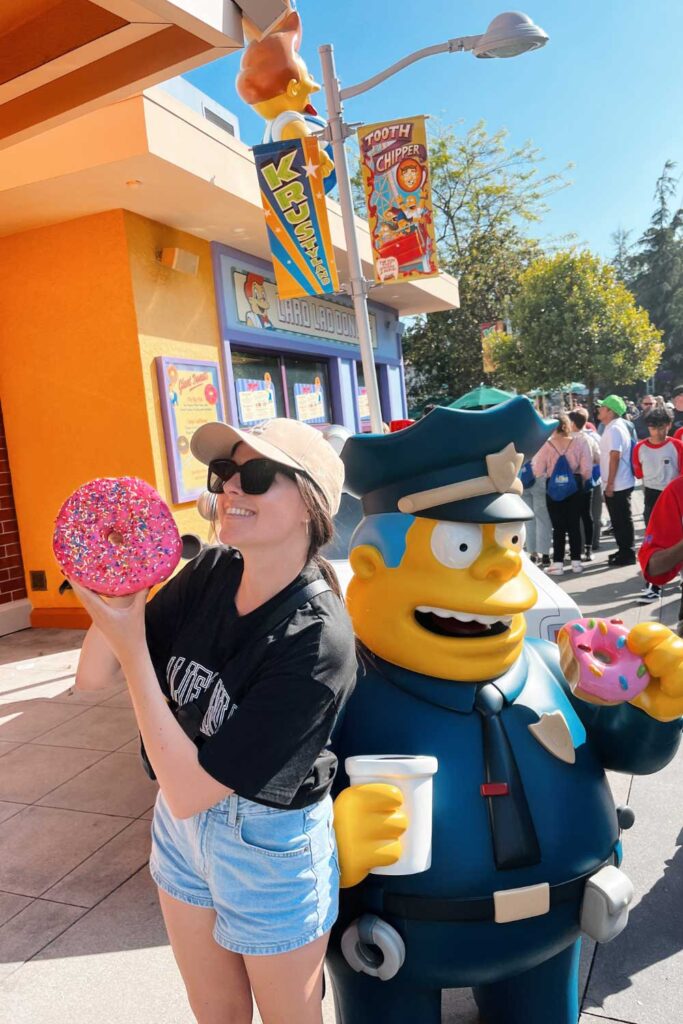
[190, 394]
[256, 400]
[310, 402]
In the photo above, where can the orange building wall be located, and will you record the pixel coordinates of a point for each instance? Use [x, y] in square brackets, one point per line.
[73, 398]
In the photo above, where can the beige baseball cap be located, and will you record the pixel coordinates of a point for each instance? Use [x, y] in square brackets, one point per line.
[289, 442]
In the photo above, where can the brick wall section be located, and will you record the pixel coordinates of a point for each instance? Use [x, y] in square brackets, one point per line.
[12, 586]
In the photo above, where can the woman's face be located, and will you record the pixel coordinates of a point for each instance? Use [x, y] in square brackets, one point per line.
[275, 519]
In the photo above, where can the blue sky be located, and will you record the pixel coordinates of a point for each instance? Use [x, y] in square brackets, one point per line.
[605, 94]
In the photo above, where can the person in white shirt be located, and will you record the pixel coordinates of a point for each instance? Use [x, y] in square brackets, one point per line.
[617, 477]
[591, 503]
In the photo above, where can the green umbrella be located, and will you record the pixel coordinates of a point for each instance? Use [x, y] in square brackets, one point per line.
[480, 397]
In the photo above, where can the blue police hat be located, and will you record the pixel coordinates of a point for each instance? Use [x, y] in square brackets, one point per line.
[453, 464]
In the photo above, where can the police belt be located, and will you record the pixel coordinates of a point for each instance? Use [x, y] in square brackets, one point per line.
[478, 908]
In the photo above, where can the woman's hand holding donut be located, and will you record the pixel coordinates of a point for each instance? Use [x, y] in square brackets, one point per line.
[120, 620]
[662, 652]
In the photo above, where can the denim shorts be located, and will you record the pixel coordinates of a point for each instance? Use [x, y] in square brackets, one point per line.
[271, 875]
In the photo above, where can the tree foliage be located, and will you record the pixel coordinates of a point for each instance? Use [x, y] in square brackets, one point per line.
[653, 267]
[485, 196]
[574, 320]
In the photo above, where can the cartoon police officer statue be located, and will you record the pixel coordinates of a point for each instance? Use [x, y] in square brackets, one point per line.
[525, 848]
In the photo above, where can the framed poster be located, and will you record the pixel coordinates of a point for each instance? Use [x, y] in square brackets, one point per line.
[190, 393]
[256, 399]
[310, 402]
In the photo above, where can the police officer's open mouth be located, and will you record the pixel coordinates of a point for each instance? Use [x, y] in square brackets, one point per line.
[445, 622]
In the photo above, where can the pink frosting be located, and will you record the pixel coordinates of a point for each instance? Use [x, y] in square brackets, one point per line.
[608, 670]
[116, 536]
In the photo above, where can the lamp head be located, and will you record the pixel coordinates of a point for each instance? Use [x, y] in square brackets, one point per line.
[508, 35]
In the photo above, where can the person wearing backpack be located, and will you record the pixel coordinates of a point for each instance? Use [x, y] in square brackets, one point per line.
[566, 461]
[592, 492]
[538, 529]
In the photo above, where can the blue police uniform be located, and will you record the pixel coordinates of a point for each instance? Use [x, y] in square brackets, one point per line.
[450, 944]
[555, 826]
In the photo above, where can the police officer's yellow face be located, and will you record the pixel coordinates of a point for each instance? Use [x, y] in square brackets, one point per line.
[454, 606]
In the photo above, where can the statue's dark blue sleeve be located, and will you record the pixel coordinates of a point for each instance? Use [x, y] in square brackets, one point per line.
[624, 738]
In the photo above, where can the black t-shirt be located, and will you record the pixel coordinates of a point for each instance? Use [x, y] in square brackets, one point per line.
[678, 421]
[273, 700]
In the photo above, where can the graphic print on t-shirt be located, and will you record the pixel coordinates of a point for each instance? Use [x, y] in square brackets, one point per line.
[196, 680]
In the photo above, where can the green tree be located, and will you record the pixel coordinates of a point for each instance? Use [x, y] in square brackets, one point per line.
[657, 267]
[622, 261]
[485, 196]
[573, 320]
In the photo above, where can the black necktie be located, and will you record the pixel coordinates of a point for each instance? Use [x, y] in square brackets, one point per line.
[515, 844]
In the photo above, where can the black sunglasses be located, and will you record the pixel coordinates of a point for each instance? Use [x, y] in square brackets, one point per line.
[256, 476]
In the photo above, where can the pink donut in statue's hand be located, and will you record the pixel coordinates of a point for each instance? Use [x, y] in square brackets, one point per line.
[116, 536]
[597, 663]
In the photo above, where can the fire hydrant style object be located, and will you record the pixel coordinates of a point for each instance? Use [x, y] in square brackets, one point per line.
[525, 846]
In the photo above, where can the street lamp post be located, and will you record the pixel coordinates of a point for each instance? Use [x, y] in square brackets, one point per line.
[507, 36]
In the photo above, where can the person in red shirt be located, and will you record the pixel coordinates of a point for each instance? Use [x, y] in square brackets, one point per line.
[661, 553]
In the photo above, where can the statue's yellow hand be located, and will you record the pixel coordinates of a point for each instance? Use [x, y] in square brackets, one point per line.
[662, 652]
[369, 822]
[326, 163]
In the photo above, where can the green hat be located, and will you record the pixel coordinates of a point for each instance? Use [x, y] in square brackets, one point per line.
[616, 404]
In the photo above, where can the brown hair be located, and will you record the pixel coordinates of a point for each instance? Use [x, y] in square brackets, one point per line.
[579, 418]
[269, 64]
[321, 530]
[563, 425]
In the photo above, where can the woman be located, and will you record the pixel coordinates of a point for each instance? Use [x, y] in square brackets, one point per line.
[565, 515]
[591, 505]
[243, 849]
[538, 529]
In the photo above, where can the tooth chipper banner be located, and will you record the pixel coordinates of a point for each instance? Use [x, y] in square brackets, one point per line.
[293, 196]
[398, 195]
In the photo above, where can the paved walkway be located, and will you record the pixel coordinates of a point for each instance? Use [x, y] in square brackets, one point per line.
[81, 938]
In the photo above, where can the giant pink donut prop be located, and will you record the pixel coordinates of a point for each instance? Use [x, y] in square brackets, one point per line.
[116, 536]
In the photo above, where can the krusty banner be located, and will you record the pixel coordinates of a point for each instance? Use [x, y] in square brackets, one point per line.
[290, 177]
[398, 195]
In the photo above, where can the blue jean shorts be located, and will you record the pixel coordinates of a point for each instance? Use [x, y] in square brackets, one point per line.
[271, 875]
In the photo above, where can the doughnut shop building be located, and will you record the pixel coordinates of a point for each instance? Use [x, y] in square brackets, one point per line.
[138, 300]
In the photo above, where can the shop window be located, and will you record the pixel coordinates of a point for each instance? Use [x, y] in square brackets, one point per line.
[308, 390]
[267, 385]
[258, 385]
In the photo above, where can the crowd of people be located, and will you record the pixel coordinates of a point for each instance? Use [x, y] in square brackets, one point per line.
[588, 469]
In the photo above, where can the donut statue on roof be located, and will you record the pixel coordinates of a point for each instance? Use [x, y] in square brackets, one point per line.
[525, 837]
[275, 81]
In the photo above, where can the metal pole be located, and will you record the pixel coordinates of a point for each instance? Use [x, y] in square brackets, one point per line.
[357, 280]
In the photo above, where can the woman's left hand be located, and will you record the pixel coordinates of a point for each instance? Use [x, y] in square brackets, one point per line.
[123, 627]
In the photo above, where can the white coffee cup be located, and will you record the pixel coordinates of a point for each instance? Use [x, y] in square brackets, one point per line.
[412, 774]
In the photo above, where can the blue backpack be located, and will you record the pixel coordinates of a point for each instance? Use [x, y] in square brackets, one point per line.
[562, 483]
[526, 475]
[593, 480]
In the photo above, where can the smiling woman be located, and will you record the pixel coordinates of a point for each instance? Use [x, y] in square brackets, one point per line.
[238, 673]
